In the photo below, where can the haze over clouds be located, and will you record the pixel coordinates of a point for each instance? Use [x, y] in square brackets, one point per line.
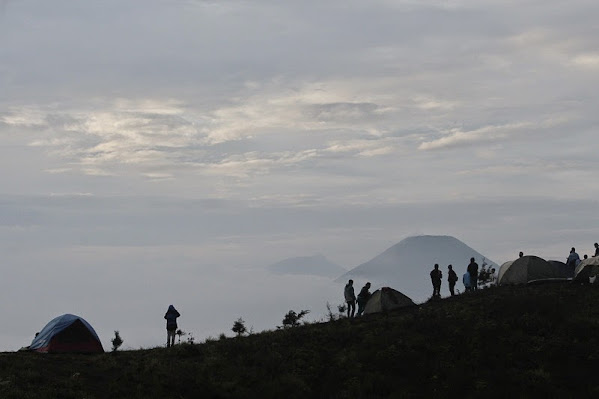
[158, 152]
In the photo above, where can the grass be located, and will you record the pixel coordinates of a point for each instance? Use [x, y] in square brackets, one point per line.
[509, 341]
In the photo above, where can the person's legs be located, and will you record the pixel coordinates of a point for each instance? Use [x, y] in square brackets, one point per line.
[351, 308]
[170, 338]
[360, 308]
[451, 289]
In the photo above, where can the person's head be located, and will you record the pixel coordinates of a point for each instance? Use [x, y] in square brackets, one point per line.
[367, 285]
[596, 245]
[573, 250]
[350, 282]
[521, 254]
[586, 256]
[436, 266]
[471, 260]
[450, 267]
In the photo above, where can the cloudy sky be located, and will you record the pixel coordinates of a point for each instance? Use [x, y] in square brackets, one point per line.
[165, 151]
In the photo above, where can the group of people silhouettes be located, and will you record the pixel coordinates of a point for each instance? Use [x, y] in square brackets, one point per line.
[573, 259]
[470, 278]
[351, 299]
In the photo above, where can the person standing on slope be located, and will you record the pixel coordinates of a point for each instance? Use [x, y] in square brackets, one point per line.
[596, 249]
[171, 325]
[350, 298]
[436, 276]
[363, 298]
[452, 278]
[573, 259]
[473, 271]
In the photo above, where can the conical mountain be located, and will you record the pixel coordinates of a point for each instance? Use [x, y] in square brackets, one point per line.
[406, 265]
[316, 265]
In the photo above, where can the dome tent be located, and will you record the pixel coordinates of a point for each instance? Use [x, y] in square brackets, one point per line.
[567, 270]
[502, 269]
[586, 269]
[530, 268]
[385, 299]
[67, 333]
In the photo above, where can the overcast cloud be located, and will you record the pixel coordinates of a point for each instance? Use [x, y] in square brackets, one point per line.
[166, 151]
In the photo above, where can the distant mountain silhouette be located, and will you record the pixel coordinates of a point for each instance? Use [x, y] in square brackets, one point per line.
[316, 265]
[406, 265]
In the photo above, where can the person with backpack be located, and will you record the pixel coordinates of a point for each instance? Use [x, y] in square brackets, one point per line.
[350, 298]
[473, 271]
[452, 278]
[363, 298]
[171, 325]
[436, 276]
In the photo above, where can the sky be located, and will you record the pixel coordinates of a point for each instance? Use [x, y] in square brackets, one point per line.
[164, 152]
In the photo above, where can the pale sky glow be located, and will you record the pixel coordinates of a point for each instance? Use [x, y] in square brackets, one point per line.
[181, 146]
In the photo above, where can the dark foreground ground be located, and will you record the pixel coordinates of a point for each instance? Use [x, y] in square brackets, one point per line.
[536, 341]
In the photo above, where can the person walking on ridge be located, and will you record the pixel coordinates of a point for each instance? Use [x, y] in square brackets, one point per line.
[473, 271]
[350, 298]
[596, 249]
[171, 325]
[436, 276]
[363, 298]
[452, 278]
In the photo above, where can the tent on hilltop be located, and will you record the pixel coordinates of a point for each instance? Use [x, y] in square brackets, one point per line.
[502, 269]
[385, 299]
[67, 333]
[586, 269]
[567, 270]
[530, 268]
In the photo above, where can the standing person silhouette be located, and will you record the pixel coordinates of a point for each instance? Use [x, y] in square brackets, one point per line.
[573, 259]
[171, 325]
[473, 271]
[452, 278]
[350, 298]
[436, 276]
[363, 298]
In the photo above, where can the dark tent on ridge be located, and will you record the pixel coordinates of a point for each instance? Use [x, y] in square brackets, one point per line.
[529, 269]
[587, 268]
[385, 299]
[567, 270]
[67, 333]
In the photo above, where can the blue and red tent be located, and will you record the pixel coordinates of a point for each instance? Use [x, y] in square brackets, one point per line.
[67, 333]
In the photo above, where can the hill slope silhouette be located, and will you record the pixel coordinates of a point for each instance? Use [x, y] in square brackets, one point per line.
[514, 341]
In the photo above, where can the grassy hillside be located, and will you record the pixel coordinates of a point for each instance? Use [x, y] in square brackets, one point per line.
[510, 341]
